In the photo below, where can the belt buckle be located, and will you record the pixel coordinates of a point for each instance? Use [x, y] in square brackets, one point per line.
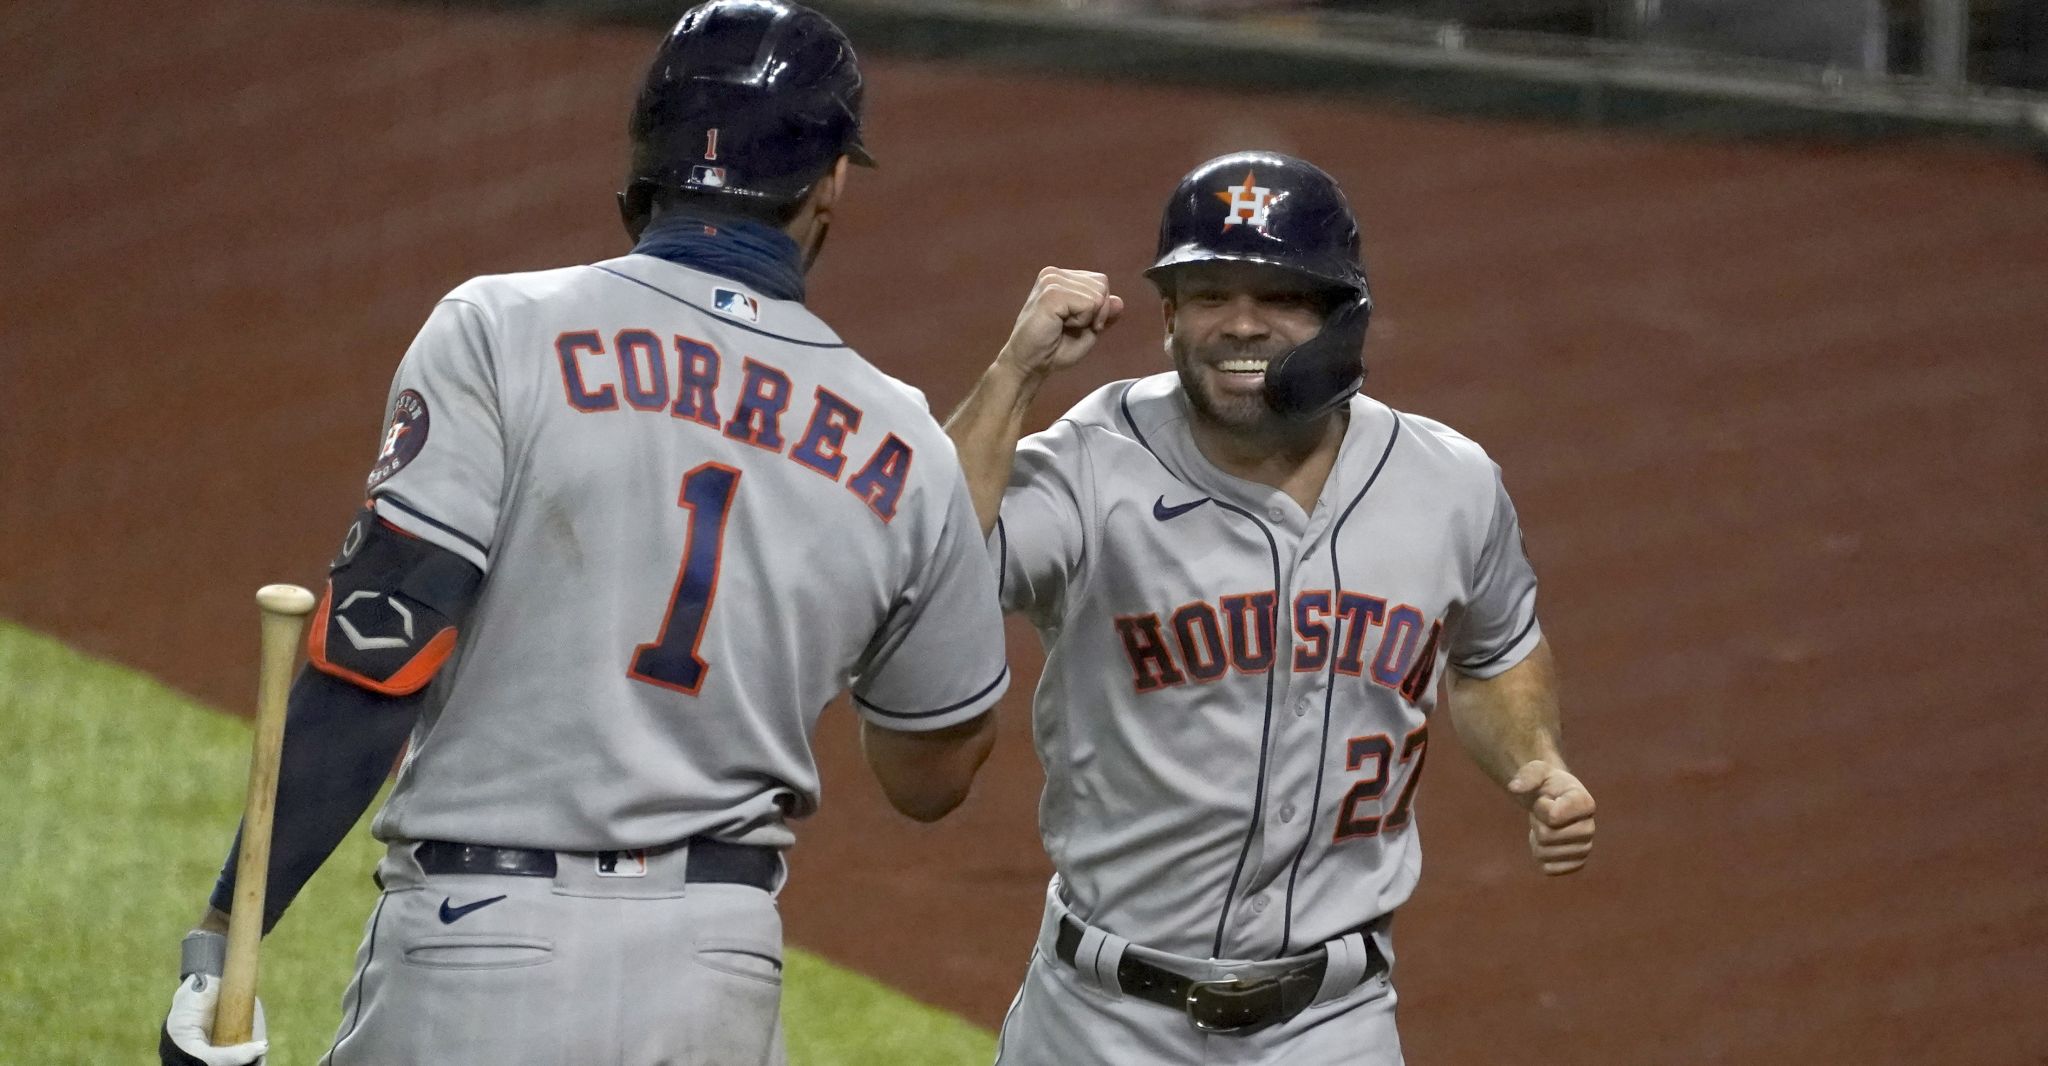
[1231, 1006]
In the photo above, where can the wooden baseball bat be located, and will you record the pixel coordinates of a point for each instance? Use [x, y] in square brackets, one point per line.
[285, 608]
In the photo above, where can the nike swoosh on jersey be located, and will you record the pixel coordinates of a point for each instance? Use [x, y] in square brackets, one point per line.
[449, 915]
[1167, 514]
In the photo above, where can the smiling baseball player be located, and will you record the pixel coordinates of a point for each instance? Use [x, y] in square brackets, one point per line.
[1249, 577]
[631, 526]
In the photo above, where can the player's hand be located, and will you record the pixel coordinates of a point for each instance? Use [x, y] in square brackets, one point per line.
[1066, 311]
[187, 1036]
[1560, 815]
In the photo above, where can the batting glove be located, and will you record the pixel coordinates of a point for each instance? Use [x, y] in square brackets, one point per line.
[186, 1039]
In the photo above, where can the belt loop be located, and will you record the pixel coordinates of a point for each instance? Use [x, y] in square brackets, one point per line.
[1097, 958]
[398, 868]
[1347, 964]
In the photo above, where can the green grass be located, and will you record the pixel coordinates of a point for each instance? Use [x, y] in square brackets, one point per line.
[121, 796]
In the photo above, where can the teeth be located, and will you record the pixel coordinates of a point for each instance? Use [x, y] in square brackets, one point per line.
[1243, 366]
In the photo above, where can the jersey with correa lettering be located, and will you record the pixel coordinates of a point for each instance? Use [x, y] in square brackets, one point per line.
[699, 517]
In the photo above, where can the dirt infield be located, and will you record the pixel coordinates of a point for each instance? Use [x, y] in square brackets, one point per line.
[1773, 416]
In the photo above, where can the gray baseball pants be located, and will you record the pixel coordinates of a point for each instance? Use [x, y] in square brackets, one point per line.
[622, 970]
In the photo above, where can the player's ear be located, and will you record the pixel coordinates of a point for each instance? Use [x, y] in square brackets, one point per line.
[826, 195]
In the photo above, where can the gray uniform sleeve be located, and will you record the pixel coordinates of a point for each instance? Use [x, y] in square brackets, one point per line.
[440, 471]
[1038, 540]
[1498, 625]
[940, 659]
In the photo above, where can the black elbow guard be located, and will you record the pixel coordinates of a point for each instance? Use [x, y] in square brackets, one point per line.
[388, 619]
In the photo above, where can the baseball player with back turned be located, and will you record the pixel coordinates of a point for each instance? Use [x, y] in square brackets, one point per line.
[633, 525]
[1248, 576]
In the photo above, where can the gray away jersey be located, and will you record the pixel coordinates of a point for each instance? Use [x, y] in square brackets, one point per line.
[1233, 713]
[700, 517]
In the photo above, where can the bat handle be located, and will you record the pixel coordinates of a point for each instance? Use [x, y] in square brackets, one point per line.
[285, 608]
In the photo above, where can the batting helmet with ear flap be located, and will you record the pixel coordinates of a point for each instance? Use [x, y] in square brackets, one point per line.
[745, 98]
[1286, 213]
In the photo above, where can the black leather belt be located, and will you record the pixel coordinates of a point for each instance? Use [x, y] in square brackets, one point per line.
[1233, 1006]
[710, 861]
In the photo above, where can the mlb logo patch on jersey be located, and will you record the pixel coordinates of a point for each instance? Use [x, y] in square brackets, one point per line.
[622, 863]
[736, 304]
[708, 177]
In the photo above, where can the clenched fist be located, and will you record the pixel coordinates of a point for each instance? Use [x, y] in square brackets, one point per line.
[1560, 815]
[1066, 311]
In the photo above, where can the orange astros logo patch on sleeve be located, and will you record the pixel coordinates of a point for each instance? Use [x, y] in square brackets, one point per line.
[404, 435]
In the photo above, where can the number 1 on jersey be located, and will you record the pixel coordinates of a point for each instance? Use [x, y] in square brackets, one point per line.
[671, 661]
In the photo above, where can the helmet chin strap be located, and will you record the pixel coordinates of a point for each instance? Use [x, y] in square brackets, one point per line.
[1323, 372]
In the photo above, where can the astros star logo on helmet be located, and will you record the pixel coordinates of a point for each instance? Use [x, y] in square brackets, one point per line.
[1248, 203]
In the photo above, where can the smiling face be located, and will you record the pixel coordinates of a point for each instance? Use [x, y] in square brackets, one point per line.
[1224, 322]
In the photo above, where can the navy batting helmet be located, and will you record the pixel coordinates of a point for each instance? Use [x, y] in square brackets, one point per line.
[745, 98]
[1282, 212]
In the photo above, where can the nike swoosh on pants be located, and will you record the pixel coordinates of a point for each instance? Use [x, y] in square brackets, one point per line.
[449, 915]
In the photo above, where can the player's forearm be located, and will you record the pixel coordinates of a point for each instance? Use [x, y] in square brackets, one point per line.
[339, 744]
[1510, 719]
[926, 775]
[985, 430]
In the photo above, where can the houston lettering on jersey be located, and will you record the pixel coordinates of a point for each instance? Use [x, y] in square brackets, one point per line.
[1198, 642]
[636, 367]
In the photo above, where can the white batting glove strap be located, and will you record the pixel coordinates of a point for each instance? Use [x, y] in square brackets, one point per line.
[191, 1023]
